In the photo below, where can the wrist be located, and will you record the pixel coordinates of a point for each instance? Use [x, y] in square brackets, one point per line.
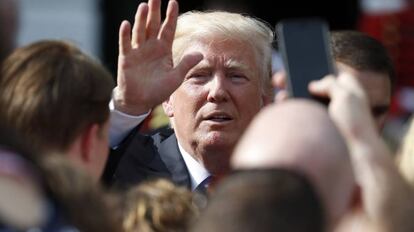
[122, 104]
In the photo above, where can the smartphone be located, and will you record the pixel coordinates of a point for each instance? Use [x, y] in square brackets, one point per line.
[304, 45]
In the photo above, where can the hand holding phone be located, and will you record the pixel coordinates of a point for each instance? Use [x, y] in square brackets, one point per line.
[304, 45]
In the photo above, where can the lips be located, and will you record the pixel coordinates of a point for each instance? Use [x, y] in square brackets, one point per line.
[218, 117]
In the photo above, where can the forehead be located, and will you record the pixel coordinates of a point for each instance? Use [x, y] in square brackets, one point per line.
[225, 52]
[377, 85]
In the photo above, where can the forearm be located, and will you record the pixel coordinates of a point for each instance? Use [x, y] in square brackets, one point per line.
[387, 197]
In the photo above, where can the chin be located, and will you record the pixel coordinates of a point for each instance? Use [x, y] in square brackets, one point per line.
[219, 140]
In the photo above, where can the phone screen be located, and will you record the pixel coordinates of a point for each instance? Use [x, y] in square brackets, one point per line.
[306, 54]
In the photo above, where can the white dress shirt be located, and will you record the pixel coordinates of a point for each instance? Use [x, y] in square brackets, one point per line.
[198, 172]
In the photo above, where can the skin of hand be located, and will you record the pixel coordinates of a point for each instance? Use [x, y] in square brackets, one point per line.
[146, 74]
[386, 196]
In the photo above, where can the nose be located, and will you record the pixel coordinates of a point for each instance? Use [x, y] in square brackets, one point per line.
[218, 90]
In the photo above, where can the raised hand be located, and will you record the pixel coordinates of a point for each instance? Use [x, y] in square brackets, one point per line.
[146, 73]
[349, 106]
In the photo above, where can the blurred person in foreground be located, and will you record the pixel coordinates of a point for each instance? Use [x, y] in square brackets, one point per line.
[263, 200]
[386, 198]
[56, 98]
[299, 135]
[158, 205]
[47, 194]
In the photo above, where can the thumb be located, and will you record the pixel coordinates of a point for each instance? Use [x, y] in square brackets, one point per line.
[323, 87]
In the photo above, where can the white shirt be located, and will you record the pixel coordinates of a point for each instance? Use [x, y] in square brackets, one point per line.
[198, 172]
[121, 125]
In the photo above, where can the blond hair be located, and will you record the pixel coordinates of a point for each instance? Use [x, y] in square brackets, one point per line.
[253, 31]
[158, 205]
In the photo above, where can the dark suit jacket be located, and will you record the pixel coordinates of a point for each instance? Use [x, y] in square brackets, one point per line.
[142, 157]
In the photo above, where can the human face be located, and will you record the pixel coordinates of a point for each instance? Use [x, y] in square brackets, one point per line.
[218, 97]
[378, 89]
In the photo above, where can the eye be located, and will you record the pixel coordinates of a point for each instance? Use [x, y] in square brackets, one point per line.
[238, 77]
[198, 77]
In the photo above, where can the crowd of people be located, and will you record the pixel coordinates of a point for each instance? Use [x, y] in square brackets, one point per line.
[235, 156]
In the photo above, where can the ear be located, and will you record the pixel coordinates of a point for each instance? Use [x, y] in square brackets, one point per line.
[88, 142]
[168, 108]
[267, 96]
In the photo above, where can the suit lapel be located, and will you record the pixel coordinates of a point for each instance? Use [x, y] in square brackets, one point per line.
[173, 160]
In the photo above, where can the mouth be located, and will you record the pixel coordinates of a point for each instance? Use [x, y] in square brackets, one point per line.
[218, 117]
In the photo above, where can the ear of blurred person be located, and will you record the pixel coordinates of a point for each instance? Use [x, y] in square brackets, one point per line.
[57, 98]
[299, 135]
[263, 200]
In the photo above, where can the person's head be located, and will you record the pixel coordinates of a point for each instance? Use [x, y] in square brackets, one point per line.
[368, 60]
[57, 98]
[220, 95]
[299, 135]
[263, 200]
[158, 205]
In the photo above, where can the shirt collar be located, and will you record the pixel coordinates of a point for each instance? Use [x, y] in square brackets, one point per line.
[197, 171]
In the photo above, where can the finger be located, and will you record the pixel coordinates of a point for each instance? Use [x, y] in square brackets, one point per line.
[124, 38]
[279, 80]
[351, 83]
[187, 63]
[138, 31]
[324, 87]
[154, 18]
[168, 28]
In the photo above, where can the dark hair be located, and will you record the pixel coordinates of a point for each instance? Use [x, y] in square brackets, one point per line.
[50, 91]
[362, 52]
[263, 200]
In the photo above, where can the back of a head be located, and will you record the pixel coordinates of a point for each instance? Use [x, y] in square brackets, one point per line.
[299, 135]
[158, 205]
[362, 52]
[263, 200]
[225, 25]
[50, 91]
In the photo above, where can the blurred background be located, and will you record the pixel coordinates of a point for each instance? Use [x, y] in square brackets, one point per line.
[93, 26]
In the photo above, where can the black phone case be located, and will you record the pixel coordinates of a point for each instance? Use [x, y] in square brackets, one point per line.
[305, 48]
